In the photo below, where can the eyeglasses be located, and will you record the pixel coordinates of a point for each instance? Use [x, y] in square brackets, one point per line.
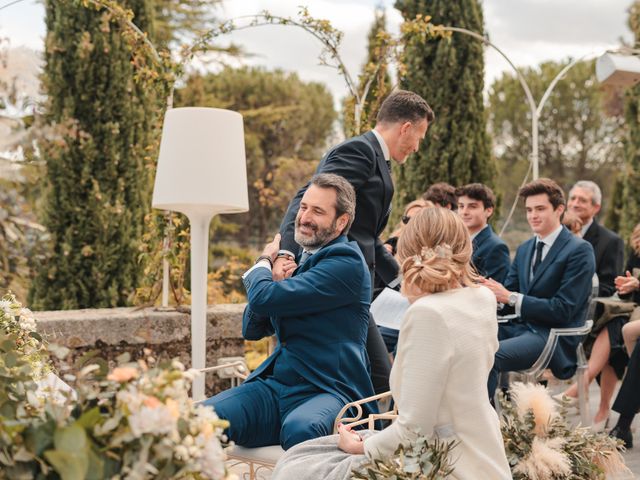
[405, 219]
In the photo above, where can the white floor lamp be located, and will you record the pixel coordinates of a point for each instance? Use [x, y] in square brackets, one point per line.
[201, 172]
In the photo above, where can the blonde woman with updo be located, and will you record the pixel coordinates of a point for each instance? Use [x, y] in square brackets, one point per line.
[446, 349]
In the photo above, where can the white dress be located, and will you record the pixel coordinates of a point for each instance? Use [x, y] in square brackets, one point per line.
[439, 378]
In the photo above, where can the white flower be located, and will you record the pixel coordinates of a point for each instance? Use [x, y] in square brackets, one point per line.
[211, 459]
[5, 306]
[26, 321]
[156, 421]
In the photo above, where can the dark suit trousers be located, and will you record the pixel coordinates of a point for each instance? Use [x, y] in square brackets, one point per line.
[378, 358]
[267, 412]
[520, 346]
[628, 399]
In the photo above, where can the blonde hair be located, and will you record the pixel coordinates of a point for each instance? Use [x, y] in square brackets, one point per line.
[635, 239]
[434, 252]
[419, 203]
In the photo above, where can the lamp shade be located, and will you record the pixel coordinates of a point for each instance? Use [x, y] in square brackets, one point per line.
[616, 69]
[202, 163]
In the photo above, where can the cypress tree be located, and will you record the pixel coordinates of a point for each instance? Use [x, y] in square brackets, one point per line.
[98, 161]
[375, 70]
[631, 192]
[449, 74]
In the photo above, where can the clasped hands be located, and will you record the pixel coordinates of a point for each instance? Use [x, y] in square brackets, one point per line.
[626, 283]
[283, 266]
[501, 293]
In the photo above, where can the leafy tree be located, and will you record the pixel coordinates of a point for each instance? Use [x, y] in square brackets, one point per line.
[577, 141]
[99, 160]
[449, 74]
[287, 123]
[375, 71]
[631, 210]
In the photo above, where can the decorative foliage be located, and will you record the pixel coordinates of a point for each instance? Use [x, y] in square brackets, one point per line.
[541, 445]
[421, 460]
[136, 422]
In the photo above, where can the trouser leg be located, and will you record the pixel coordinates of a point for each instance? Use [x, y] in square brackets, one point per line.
[628, 400]
[253, 413]
[308, 419]
[378, 358]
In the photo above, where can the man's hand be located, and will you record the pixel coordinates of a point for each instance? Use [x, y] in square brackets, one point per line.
[349, 440]
[501, 293]
[627, 283]
[283, 267]
[271, 249]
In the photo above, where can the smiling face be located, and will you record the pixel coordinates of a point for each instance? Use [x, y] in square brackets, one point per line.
[581, 204]
[316, 222]
[541, 215]
[406, 138]
[473, 214]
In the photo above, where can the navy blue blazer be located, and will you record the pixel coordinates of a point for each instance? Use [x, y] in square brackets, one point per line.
[361, 162]
[558, 294]
[320, 317]
[491, 255]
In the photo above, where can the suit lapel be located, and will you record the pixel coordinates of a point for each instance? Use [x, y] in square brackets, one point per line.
[385, 174]
[558, 245]
[481, 237]
[524, 275]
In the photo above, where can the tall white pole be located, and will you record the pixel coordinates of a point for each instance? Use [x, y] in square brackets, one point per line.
[199, 263]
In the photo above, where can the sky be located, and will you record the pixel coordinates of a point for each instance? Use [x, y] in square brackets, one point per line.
[528, 31]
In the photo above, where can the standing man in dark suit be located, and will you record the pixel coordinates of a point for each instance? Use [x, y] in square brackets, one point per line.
[585, 201]
[490, 254]
[548, 286]
[320, 316]
[365, 161]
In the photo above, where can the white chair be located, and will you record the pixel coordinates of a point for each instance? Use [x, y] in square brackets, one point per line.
[261, 461]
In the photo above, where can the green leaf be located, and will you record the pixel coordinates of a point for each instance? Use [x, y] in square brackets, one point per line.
[70, 466]
[71, 439]
[90, 418]
[40, 438]
[10, 359]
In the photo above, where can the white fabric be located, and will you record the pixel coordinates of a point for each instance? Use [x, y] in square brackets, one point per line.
[439, 381]
[383, 145]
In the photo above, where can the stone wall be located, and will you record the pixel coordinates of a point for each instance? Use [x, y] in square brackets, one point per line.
[166, 333]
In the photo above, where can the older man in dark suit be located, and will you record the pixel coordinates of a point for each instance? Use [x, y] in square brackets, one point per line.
[548, 286]
[320, 316]
[365, 161]
[585, 201]
[490, 254]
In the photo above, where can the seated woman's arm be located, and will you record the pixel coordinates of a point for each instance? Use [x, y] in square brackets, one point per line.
[420, 371]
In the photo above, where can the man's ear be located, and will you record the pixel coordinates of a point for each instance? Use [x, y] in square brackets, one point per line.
[561, 209]
[598, 207]
[342, 222]
[404, 128]
[489, 212]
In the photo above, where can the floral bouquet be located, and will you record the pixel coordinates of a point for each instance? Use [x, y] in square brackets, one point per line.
[135, 422]
[541, 445]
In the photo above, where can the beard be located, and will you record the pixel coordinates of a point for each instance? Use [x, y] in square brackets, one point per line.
[319, 238]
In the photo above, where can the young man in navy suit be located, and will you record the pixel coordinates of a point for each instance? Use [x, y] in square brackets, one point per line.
[548, 286]
[319, 314]
[365, 161]
[490, 254]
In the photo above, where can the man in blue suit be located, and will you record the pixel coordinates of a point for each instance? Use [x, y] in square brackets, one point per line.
[320, 316]
[548, 286]
[490, 254]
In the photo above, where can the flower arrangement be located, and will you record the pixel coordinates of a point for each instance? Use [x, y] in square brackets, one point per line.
[422, 459]
[541, 445]
[134, 422]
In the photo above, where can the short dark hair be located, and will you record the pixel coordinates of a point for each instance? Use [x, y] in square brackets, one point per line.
[544, 185]
[442, 194]
[479, 192]
[404, 106]
[345, 195]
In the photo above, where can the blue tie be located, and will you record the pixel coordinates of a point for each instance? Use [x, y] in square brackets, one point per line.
[304, 257]
[538, 261]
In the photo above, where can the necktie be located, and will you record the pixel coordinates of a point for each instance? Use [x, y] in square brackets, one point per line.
[538, 261]
[304, 257]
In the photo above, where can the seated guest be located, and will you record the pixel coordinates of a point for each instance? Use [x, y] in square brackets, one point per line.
[411, 209]
[490, 254]
[627, 402]
[320, 316]
[548, 286]
[443, 195]
[585, 201]
[438, 380]
[609, 357]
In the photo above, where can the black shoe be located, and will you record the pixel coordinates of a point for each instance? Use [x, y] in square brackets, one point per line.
[624, 435]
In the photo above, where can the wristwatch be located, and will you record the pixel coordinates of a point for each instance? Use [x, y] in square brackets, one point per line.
[265, 257]
[513, 299]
